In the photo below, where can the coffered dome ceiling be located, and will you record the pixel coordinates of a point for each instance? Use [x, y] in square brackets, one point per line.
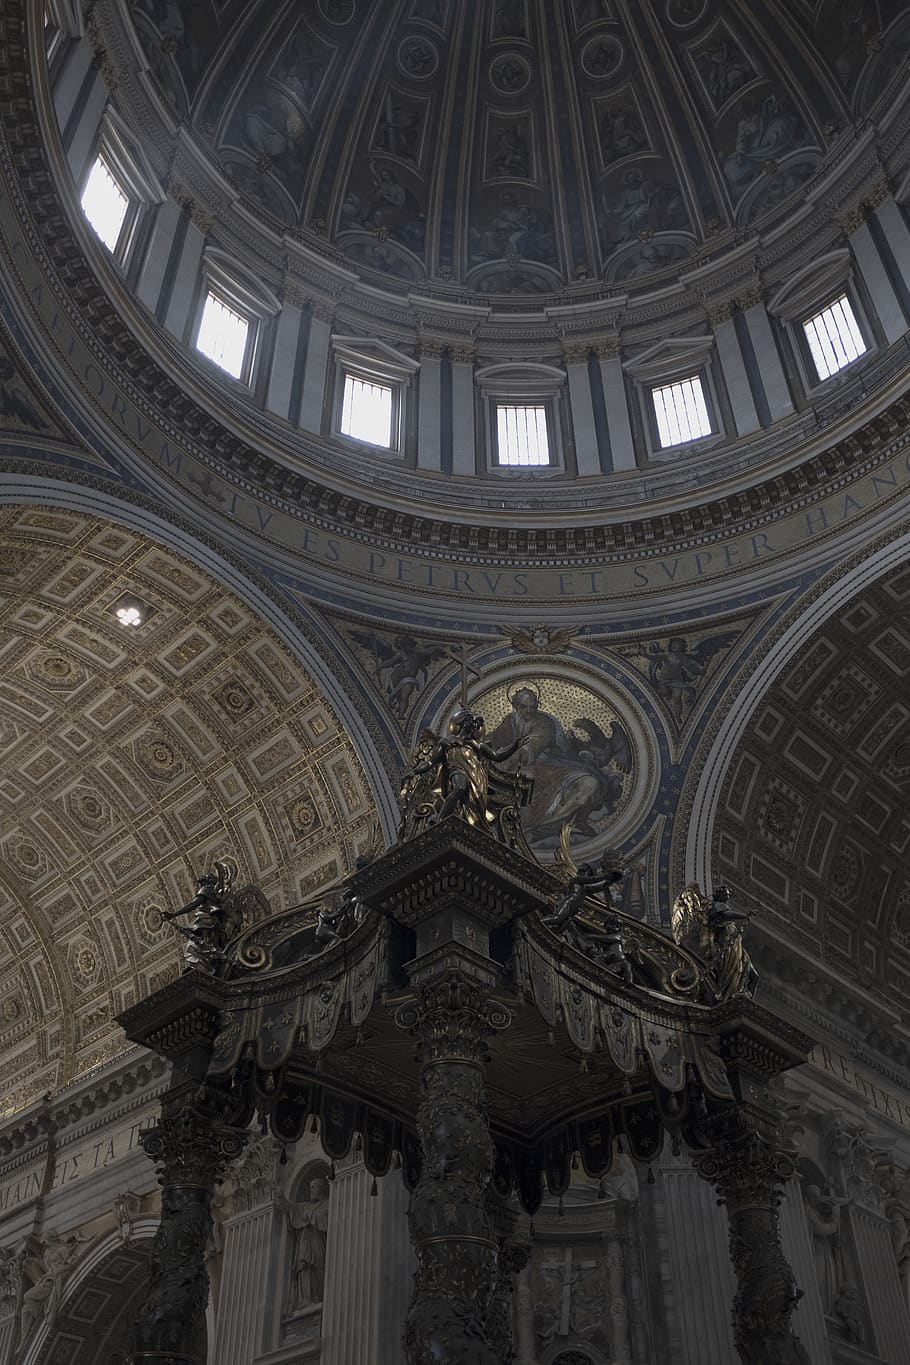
[129, 760]
[517, 146]
[813, 823]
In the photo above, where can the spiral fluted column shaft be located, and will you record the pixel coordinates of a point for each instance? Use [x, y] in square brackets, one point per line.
[191, 1151]
[450, 1223]
[749, 1175]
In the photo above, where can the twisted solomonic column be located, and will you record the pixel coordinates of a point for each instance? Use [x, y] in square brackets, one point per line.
[192, 1152]
[450, 1221]
[749, 1174]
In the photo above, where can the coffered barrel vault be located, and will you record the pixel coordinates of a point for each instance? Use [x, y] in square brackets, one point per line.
[130, 758]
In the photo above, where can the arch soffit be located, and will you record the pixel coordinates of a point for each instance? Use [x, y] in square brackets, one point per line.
[104, 1252]
[710, 767]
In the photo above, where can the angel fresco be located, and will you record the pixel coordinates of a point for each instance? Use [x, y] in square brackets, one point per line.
[675, 671]
[401, 665]
[15, 408]
[764, 133]
[578, 773]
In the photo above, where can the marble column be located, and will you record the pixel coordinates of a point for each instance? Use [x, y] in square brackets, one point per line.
[619, 1302]
[429, 414]
[887, 305]
[7, 1341]
[524, 1319]
[881, 1283]
[69, 78]
[83, 127]
[158, 253]
[314, 377]
[622, 447]
[464, 454]
[897, 234]
[702, 1277]
[809, 1317]
[186, 278]
[281, 374]
[369, 1269]
[244, 1292]
[767, 356]
[736, 379]
[587, 454]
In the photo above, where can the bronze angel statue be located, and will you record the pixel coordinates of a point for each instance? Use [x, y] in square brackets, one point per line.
[218, 913]
[713, 930]
[458, 774]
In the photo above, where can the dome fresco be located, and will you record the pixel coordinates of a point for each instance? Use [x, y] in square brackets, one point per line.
[515, 146]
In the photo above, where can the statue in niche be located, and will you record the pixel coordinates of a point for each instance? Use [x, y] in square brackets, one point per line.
[823, 1217]
[848, 1309]
[308, 1220]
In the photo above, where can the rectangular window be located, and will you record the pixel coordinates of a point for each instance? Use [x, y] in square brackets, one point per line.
[367, 410]
[223, 335]
[681, 412]
[834, 338]
[105, 203]
[521, 435]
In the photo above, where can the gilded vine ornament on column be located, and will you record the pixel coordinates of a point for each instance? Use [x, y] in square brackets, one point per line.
[749, 1174]
[450, 1223]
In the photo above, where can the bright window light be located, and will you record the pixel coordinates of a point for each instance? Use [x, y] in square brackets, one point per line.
[681, 412]
[105, 203]
[223, 335]
[834, 337]
[521, 435]
[366, 411]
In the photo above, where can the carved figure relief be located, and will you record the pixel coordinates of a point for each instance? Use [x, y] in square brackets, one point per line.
[307, 1214]
[48, 1271]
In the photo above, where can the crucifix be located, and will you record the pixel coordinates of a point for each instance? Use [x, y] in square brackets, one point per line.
[459, 653]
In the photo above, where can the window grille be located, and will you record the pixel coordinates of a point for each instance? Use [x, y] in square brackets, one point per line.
[367, 410]
[521, 435]
[834, 338]
[223, 335]
[681, 412]
[105, 203]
